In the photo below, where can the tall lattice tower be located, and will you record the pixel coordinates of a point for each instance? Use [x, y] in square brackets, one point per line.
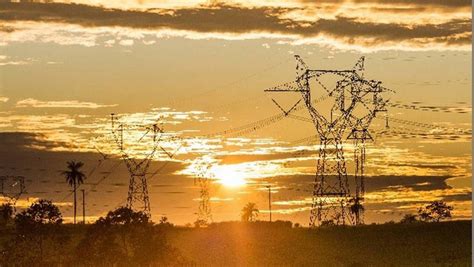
[139, 161]
[350, 104]
[203, 179]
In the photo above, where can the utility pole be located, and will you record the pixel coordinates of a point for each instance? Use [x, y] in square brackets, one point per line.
[83, 206]
[270, 200]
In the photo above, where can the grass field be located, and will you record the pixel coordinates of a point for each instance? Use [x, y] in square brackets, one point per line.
[235, 244]
[278, 244]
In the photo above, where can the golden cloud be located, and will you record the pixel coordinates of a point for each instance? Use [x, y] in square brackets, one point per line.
[365, 29]
[34, 103]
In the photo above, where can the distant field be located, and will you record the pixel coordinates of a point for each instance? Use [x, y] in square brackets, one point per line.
[435, 244]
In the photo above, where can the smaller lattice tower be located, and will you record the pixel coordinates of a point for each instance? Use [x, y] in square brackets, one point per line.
[136, 159]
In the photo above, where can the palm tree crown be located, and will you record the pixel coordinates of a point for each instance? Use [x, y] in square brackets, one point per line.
[74, 176]
[250, 212]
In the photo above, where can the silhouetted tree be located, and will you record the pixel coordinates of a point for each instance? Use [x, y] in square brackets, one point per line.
[435, 212]
[6, 214]
[409, 218]
[125, 238]
[327, 223]
[164, 220]
[250, 212]
[42, 212]
[38, 236]
[74, 177]
[125, 216]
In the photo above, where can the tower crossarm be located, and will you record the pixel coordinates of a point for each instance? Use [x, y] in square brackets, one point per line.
[292, 86]
[343, 73]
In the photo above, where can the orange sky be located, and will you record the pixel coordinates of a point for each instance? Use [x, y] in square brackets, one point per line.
[200, 68]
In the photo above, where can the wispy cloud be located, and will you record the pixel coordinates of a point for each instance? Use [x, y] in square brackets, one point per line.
[6, 61]
[4, 99]
[34, 103]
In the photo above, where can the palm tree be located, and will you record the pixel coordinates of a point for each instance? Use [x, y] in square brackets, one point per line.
[250, 212]
[74, 177]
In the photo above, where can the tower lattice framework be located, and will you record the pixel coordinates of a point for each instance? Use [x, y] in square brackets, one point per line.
[11, 188]
[356, 102]
[202, 179]
[138, 198]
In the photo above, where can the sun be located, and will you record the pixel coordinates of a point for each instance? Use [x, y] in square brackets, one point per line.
[229, 175]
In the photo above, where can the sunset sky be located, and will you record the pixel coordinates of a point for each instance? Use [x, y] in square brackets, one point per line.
[200, 69]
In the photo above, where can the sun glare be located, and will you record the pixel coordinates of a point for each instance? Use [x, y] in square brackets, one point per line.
[229, 176]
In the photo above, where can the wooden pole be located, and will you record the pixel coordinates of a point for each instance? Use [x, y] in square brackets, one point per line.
[270, 201]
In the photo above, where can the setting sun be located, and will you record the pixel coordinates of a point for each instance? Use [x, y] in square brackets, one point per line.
[228, 175]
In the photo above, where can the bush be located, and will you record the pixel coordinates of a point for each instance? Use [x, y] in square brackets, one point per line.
[409, 218]
[435, 212]
[38, 236]
[125, 238]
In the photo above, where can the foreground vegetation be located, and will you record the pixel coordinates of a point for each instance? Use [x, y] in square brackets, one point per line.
[37, 237]
[262, 244]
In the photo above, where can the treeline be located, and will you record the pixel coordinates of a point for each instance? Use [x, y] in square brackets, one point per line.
[122, 238]
[37, 236]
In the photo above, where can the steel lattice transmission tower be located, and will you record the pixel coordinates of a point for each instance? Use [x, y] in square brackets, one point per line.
[137, 166]
[202, 179]
[12, 187]
[355, 102]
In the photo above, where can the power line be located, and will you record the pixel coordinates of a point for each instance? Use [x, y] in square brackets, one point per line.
[192, 97]
[429, 108]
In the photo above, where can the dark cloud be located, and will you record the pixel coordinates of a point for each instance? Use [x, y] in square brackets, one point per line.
[239, 20]
[161, 185]
[19, 156]
[401, 10]
[14, 141]
[107, 185]
[458, 197]
[440, 3]
[372, 183]
[417, 183]
[424, 166]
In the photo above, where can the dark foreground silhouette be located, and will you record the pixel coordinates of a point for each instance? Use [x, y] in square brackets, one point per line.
[37, 237]
[262, 244]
